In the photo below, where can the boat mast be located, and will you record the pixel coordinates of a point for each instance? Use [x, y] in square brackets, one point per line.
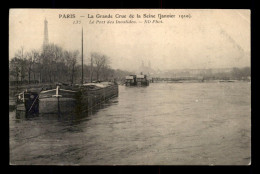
[82, 60]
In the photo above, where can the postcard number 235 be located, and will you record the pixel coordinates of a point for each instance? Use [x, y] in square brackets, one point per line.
[77, 22]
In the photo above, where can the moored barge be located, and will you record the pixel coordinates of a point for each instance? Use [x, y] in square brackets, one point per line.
[77, 98]
[137, 80]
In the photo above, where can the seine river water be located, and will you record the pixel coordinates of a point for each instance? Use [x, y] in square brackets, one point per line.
[162, 124]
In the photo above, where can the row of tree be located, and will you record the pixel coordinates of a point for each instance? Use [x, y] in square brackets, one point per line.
[54, 64]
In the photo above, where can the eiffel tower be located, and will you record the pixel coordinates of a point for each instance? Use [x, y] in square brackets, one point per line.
[46, 39]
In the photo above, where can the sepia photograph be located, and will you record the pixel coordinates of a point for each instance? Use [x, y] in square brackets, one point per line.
[129, 87]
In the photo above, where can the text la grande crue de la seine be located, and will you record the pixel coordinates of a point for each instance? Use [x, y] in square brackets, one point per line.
[123, 16]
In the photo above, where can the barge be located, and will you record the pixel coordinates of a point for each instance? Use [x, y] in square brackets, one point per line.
[76, 99]
[137, 80]
[66, 99]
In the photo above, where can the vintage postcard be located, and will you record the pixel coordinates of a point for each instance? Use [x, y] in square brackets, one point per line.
[129, 87]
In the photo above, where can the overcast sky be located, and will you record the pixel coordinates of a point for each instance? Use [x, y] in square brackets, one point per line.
[209, 39]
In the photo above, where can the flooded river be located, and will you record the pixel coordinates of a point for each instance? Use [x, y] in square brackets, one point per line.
[162, 124]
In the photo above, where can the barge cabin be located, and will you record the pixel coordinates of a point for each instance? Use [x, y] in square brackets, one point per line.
[130, 80]
[28, 102]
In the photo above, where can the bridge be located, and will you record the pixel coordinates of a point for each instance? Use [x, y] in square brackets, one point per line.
[169, 79]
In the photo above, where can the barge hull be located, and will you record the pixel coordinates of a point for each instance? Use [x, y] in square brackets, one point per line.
[56, 105]
[75, 102]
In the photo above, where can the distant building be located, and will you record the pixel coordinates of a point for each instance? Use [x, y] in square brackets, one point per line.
[147, 70]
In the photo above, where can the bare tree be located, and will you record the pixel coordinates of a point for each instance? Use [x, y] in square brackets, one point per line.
[20, 53]
[91, 66]
[71, 61]
[35, 60]
[31, 58]
[52, 57]
[14, 69]
[106, 70]
[21, 63]
[100, 61]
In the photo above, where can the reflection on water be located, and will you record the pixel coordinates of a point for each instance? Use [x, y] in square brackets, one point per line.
[164, 123]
